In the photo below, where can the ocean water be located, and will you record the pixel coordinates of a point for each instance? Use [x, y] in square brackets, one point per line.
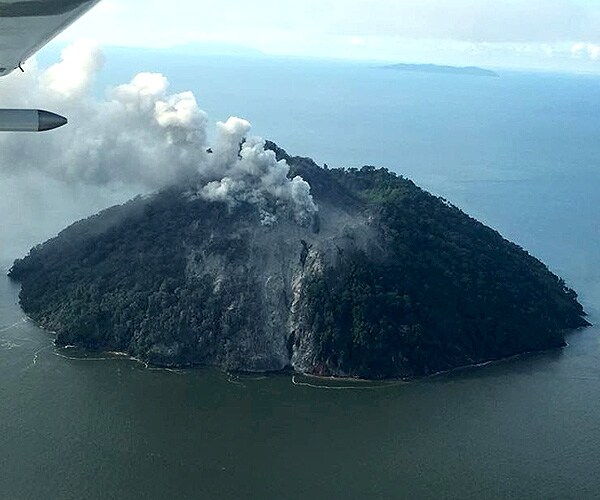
[520, 152]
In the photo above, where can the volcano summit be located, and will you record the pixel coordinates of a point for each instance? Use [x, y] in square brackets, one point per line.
[365, 276]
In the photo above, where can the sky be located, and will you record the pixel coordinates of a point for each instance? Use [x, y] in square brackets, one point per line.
[544, 34]
[96, 164]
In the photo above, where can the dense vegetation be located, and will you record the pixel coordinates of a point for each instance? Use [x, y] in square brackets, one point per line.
[436, 290]
[117, 281]
[451, 292]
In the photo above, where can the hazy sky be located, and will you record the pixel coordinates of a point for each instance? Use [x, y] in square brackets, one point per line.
[536, 33]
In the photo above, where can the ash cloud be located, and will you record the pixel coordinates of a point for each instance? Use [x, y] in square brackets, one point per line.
[141, 137]
[245, 172]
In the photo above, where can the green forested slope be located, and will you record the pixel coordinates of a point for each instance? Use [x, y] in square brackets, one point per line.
[434, 289]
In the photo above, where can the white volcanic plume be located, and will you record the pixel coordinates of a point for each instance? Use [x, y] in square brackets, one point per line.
[249, 173]
[140, 136]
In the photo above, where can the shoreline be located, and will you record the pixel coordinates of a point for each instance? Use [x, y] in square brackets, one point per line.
[116, 355]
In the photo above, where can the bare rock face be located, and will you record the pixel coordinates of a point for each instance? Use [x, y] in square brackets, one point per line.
[384, 280]
[257, 273]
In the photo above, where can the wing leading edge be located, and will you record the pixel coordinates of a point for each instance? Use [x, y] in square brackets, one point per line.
[27, 25]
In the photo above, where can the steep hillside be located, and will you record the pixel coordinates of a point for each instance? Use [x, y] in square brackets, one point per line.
[385, 280]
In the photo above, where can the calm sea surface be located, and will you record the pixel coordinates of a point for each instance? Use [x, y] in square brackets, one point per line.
[521, 153]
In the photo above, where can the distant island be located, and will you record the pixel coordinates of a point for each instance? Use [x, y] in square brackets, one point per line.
[384, 281]
[447, 70]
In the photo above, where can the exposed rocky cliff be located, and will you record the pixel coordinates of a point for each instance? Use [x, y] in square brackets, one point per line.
[384, 280]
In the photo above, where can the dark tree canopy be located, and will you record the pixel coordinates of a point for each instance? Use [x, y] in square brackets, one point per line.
[435, 289]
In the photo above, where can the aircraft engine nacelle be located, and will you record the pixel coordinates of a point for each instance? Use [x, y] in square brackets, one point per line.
[29, 120]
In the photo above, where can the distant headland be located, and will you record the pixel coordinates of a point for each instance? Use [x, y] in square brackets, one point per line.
[447, 70]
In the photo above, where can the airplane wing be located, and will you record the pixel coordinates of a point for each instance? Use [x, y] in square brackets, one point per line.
[27, 25]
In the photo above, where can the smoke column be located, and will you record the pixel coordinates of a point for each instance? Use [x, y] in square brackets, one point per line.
[138, 139]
